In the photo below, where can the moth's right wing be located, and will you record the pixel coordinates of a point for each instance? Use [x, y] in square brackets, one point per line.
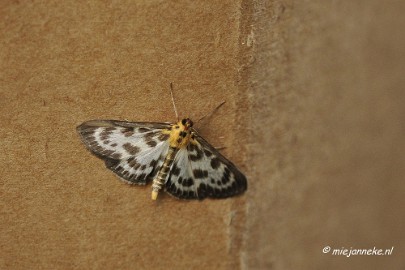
[133, 150]
[200, 171]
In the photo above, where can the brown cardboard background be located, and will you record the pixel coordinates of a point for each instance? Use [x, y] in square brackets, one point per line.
[314, 116]
[64, 63]
[328, 87]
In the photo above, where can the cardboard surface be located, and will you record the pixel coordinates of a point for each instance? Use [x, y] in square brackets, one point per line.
[314, 117]
[65, 63]
[328, 87]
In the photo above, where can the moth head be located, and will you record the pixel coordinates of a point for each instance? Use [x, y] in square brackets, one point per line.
[180, 133]
[187, 123]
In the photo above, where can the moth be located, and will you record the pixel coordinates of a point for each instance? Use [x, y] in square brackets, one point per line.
[173, 156]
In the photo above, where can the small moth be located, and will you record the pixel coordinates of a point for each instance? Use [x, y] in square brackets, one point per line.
[174, 156]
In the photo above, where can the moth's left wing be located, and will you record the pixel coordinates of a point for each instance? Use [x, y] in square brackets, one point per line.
[200, 171]
[134, 151]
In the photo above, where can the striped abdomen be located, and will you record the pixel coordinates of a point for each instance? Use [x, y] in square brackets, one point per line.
[159, 181]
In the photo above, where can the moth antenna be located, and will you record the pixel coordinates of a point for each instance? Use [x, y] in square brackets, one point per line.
[174, 104]
[212, 112]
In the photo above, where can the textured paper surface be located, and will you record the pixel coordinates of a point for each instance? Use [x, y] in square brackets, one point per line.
[314, 117]
[65, 63]
[329, 83]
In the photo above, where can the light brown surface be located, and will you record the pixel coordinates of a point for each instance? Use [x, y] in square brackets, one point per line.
[328, 92]
[64, 63]
[314, 117]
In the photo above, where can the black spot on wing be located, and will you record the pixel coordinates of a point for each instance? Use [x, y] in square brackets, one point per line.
[192, 147]
[198, 173]
[132, 162]
[153, 163]
[102, 152]
[127, 131]
[86, 131]
[202, 191]
[143, 130]
[151, 143]
[172, 189]
[215, 163]
[188, 182]
[131, 149]
[90, 138]
[142, 177]
[149, 139]
[149, 136]
[226, 176]
[198, 152]
[111, 163]
[105, 134]
[163, 137]
[189, 194]
[207, 153]
[175, 170]
[116, 156]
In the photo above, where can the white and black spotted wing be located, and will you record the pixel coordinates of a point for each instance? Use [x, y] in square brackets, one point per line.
[134, 151]
[200, 171]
